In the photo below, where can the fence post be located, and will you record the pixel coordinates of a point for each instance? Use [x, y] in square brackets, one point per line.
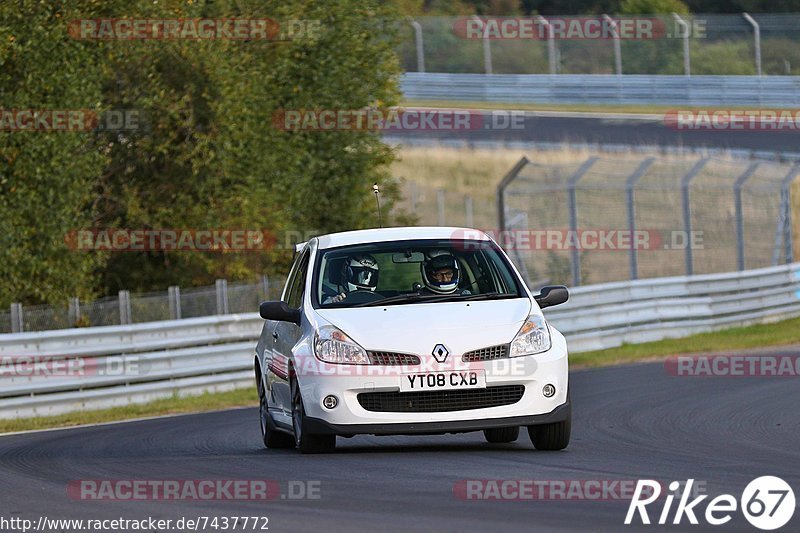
[265, 286]
[418, 41]
[518, 219]
[687, 61]
[440, 205]
[501, 191]
[222, 296]
[174, 294]
[786, 212]
[74, 312]
[617, 48]
[487, 46]
[551, 44]
[16, 318]
[737, 201]
[756, 40]
[573, 216]
[630, 184]
[124, 299]
[468, 210]
[687, 212]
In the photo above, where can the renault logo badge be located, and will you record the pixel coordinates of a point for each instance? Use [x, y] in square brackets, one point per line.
[440, 353]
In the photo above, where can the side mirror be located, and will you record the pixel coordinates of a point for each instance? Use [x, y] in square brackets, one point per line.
[279, 311]
[552, 295]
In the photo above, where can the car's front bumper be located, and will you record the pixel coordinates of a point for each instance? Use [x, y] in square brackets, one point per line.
[318, 426]
[349, 417]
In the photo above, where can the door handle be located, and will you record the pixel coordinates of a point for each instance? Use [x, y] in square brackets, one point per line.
[275, 335]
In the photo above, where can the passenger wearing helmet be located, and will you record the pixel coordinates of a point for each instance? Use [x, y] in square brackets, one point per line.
[359, 273]
[441, 273]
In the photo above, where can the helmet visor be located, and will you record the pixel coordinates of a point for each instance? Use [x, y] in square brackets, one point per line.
[363, 277]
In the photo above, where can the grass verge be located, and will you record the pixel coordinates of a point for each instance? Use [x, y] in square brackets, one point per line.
[735, 339]
[781, 333]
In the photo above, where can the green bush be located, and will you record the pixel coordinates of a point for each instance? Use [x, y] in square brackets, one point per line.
[209, 157]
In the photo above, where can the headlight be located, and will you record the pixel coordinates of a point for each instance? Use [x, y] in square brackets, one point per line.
[333, 346]
[533, 337]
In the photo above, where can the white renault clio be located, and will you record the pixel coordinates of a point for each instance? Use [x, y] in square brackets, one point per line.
[402, 331]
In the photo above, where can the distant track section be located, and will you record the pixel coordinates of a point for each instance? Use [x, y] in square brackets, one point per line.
[646, 130]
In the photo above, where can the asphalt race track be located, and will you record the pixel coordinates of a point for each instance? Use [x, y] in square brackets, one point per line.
[581, 128]
[630, 422]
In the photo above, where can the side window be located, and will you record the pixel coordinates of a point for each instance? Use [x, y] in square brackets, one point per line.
[287, 290]
[295, 296]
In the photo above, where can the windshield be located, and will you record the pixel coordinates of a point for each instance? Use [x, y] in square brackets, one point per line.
[421, 271]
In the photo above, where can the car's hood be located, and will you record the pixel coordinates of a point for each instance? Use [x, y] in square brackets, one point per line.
[417, 328]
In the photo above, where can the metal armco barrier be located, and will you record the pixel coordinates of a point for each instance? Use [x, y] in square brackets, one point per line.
[683, 91]
[120, 365]
[52, 372]
[610, 314]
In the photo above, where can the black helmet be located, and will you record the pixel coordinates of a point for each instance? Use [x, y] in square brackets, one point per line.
[440, 272]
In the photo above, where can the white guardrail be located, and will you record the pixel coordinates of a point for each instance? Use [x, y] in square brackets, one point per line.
[52, 372]
[680, 91]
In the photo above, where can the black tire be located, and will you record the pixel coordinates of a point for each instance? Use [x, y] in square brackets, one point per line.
[272, 437]
[553, 436]
[497, 435]
[305, 442]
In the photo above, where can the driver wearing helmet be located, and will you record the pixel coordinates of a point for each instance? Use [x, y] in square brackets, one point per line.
[359, 273]
[441, 273]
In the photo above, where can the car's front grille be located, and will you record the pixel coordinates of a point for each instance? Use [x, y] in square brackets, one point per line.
[441, 401]
[393, 358]
[487, 354]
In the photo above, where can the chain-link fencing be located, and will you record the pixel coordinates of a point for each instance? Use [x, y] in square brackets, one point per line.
[614, 217]
[693, 44]
[126, 308]
[608, 219]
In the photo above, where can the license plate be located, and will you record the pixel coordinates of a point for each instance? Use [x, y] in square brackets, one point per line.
[455, 379]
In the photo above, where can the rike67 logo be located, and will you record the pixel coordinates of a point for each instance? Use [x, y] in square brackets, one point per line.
[767, 502]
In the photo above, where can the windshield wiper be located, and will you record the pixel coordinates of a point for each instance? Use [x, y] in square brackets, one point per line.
[486, 296]
[405, 298]
[417, 297]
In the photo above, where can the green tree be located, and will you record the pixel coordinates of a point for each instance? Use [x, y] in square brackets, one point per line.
[652, 7]
[213, 158]
[46, 178]
[209, 156]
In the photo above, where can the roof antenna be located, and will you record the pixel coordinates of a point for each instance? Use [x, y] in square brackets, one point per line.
[376, 190]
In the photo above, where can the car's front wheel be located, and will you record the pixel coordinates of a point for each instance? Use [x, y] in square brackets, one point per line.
[554, 436]
[501, 434]
[308, 443]
[272, 437]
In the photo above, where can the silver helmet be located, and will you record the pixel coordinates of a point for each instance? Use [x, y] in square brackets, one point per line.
[361, 273]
